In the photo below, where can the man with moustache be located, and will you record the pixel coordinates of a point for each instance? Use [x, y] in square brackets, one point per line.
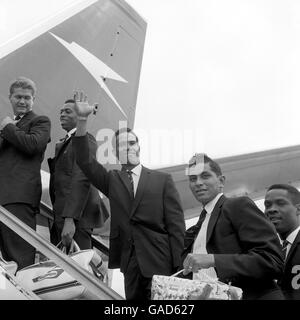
[233, 240]
[147, 222]
[282, 206]
[22, 145]
[77, 206]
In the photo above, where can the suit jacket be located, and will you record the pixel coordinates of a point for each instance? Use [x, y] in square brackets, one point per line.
[21, 154]
[153, 222]
[290, 281]
[246, 248]
[71, 193]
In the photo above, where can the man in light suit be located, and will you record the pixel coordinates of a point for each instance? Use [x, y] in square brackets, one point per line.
[233, 240]
[282, 206]
[147, 222]
[77, 206]
[22, 145]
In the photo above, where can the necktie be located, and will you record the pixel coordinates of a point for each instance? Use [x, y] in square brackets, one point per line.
[201, 218]
[285, 244]
[62, 140]
[129, 173]
[17, 118]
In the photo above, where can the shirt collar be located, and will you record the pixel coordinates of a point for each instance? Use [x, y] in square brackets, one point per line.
[137, 170]
[292, 236]
[21, 116]
[71, 132]
[209, 207]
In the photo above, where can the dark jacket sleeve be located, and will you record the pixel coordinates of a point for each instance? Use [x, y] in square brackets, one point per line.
[88, 163]
[77, 197]
[261, 256]
[31, 142]
[174, 218]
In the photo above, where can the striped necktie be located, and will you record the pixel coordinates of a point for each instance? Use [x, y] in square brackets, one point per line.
[129, 173]
[285, 244]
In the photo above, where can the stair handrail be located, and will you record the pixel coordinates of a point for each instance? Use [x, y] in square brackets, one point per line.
[99, 289]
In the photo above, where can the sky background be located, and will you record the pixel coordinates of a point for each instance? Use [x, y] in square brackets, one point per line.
[226, 70]
[220, 77]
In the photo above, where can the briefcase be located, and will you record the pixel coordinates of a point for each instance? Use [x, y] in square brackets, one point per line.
[174, 288]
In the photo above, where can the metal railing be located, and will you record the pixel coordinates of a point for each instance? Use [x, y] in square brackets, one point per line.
[46, 210]
[97, 288]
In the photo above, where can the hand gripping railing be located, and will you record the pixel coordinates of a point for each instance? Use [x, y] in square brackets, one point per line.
[100, 290]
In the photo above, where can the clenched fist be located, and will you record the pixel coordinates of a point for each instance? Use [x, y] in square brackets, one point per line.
[6, 121]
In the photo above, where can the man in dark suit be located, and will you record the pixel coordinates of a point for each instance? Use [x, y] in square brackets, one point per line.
[147, 222]
[233, 240]
[282, 206]
[22, 146]
[77, 205]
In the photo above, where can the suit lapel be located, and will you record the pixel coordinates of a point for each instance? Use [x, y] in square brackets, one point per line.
[214, 217]
[60, 146]
[144, 178]
[26, 119]
[189, 239]
[293, 247]
[140, 189]
[124, 178]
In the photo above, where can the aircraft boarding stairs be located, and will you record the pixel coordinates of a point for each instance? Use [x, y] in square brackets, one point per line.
[10, 287]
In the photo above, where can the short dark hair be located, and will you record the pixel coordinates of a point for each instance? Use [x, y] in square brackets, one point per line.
[293, 192]
[122, 130]
[23, 83]
[213, 165]
[69, 101]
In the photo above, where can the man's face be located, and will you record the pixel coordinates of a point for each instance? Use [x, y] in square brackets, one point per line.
[280, 209]
[21, 101]
[206, 185]
[128, 149]
[68, 117]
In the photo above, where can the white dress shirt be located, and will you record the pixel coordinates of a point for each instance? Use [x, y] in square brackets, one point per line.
[69, 134]
[20, 115]
[291, 238]
[200, 242]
